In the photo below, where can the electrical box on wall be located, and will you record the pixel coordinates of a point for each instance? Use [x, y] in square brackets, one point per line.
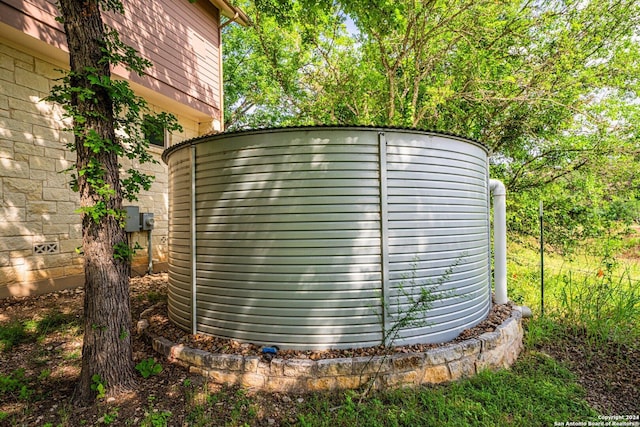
[147, 221]
[132, 223]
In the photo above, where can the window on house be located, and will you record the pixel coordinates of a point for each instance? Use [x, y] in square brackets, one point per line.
[153, 130]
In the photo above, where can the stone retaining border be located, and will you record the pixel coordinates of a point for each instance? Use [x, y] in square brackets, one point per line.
[491, 350]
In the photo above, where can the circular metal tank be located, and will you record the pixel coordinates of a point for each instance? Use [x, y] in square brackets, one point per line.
[325, 237]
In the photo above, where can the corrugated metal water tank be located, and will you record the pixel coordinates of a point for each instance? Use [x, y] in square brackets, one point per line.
[321, 237]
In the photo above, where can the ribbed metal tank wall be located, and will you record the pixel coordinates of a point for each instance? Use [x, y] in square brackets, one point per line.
[438, 219]
[180, 253]
[302, 233]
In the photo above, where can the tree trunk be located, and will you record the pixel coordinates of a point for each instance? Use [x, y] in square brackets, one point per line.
[106, 348]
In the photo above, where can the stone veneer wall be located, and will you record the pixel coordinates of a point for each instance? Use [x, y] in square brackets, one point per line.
[491, 350]
[39, 229]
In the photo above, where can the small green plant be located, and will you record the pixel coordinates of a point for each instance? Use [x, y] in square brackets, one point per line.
[98, 386]
[12, 334]
[44, 374]
[149, 367]
[74, 355]
[410, 307]
[155, 418]
[110, 417]
[15, 385]
[56, 321]
[154, 297]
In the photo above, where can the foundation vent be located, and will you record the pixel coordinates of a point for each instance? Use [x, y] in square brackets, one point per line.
[46, 248]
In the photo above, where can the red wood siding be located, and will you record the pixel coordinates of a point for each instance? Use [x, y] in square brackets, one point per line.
[181, 39]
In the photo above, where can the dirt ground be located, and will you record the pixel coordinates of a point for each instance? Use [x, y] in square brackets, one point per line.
[612, 386]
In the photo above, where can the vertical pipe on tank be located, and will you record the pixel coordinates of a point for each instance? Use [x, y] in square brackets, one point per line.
[499, 240]
[384, 233]
[194, 324]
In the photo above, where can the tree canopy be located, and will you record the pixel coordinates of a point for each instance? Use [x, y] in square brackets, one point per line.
[551, 87]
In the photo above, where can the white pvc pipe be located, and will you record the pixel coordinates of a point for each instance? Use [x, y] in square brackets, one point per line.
[499, 240]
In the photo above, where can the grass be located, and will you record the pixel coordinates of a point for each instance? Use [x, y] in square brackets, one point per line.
[538, 391]
[597, 293]
[27, 331]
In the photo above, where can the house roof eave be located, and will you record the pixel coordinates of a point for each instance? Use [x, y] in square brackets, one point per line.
[232, 12]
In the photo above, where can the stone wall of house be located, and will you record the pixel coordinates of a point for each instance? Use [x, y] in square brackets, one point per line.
[39, 228]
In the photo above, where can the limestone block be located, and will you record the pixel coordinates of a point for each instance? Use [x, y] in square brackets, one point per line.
[162, 346]
[46, 69]
[46, 136]
[351, 381]
[224, 377]
[190, 355]
[405, 362]
[491, 359]
[14, 243]
[283, 384]
[28, 148]
[251, 364]
[70, 245]
[435, 374]
[24, 65]
[32, 117]
[31, 189]
[41, 207]
[463, 368]
[229, 362]
[199, 371]
[53, 229]
[74, 270]
[508, 329]
[22, 229]
[6, 63]
[321, 383]
[62, 219]
[52, 260]
[276, 367]
[141, 326]
[471, 347]
[7, 274]
[299, 368]
[12, 213]
[368, 364]
[63, 164]
[75, 231]
[56, 194]
[264, 368]
[14, 169]
[57, 180]
[12, 198]
[35, 275]
[400, 378]
[38, 175]
[489, 340]
[440, 355]
[334, 367]
[67, 208]
[13, 90]
[6, 152]
[14, 53]
[6, 75]
[253, 380]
